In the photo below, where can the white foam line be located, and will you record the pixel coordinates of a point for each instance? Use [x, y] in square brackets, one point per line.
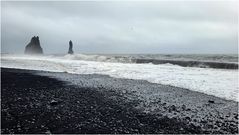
[218, 82]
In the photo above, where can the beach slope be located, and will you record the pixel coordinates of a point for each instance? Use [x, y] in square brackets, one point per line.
[48, 102]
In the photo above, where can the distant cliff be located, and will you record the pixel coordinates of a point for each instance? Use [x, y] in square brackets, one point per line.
[34, 46]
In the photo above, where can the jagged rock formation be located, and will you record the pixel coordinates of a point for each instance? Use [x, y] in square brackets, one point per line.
[34, 46]
[70, 51]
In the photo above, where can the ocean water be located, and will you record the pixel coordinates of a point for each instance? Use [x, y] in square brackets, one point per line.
[211, 74]
[222, 61]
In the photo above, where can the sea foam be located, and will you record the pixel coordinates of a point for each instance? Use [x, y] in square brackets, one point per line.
[218, 82]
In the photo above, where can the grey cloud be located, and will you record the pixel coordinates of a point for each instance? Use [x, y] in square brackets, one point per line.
[122, 27]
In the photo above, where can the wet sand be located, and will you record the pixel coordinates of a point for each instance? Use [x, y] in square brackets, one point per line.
[47, 102]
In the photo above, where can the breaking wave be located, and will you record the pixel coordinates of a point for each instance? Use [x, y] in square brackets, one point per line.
[201, 64]
[212, 62]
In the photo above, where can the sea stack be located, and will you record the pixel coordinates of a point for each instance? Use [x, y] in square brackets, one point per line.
[70, 51]
[34, 46]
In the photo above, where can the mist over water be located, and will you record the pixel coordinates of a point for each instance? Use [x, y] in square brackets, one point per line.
[220, 61]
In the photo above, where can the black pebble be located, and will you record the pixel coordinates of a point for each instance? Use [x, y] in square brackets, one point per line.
[211, 101]
[53, 102]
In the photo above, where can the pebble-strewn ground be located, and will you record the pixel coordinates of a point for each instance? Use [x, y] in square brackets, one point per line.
[37, 102]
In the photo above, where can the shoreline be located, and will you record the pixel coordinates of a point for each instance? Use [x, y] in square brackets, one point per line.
[77, 104]
[205, 80]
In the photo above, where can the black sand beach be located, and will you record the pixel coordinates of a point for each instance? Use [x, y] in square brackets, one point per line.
[47, 102]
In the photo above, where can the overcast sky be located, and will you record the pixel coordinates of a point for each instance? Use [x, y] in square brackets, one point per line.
[122, 27]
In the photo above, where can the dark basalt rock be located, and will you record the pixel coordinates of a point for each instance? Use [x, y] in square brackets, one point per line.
[70, 51]
[211, 101]
[34, 46]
